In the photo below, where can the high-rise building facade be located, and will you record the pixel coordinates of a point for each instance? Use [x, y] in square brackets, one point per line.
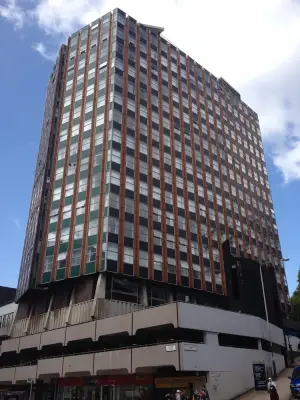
[155, 162]
[148, 168]
[44, 167]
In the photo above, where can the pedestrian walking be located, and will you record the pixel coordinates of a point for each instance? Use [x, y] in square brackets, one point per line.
[204, 393]
[178, 395]
[197, 395]
[272, 390]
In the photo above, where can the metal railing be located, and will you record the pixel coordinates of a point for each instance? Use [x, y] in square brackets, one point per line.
[62, 317]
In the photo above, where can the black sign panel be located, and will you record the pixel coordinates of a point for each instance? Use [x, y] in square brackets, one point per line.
[260, 377]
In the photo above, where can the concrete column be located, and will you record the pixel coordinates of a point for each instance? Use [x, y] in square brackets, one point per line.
[102, 287]
[144, 296]
[26, 330]
[170, 298]
[211, 338]
[99, 293]
[259, 344]
[48, 313]
[67, 320]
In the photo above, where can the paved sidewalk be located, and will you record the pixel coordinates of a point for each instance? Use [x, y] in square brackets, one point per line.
[283, 388]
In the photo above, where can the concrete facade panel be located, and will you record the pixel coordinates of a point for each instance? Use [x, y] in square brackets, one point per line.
[156, 316]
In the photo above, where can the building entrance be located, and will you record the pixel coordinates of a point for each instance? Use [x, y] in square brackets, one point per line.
[126, 387]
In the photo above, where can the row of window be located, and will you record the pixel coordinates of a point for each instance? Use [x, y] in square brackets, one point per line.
[110, 251]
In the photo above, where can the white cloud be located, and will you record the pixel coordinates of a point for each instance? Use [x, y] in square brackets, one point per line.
[17, 223]
[64, 17]
[41, 49]
[13, 13]
[253, 44]
[289, 162]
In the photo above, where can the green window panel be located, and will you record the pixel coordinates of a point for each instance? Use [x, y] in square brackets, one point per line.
[85, 153]
[94, 214]
[60, 163]
[95, 191]
[72, 159]
[81, 196]
[46, 277]
[49, 251]
[68, 200]
[60, 274]
[92, 240]
[86, 134]
[84, 174]
[74, 139]
[91, 81]
[58, 184]
[79, 219]
[76, 121]
[66, 223]
[99, 129]
[104, 237]
[77, 244]
[71, 179]
[75, 271]
[97, 169]
[98, 149]
[63, 247]
[62, 145]
[55, 204]
[90, 268]
[53, 227]
[106, 211]
[100, 110]
[90, 97]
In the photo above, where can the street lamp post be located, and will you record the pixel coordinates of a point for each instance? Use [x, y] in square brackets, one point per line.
[30, 381]
[289, 353]
[267, 315]
[267, 319]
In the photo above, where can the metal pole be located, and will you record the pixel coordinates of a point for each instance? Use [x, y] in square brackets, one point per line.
[30, 393]
[267, 316]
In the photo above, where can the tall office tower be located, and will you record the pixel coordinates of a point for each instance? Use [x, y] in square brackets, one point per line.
[155, 163]
[44, 167]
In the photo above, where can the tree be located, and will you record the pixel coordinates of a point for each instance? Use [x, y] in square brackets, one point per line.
[295, 301]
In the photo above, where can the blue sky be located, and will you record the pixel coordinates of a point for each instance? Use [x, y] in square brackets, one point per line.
[267, 80]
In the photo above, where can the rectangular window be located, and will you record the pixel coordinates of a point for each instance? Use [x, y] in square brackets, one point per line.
[128, 255]
[61, 260]
[143, 259]
[76, 255]
[112, 251]
[48, 263]
[91, 254]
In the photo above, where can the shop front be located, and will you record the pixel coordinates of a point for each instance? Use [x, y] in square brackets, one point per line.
[119, 387]
[14, 392]
[187, 385]
[124, 387]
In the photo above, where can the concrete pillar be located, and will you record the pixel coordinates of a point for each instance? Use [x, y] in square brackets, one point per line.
[99, 293]
[48, 313]
[144, 296]
[102, 287]
[170, 298]
[26, 330]
[259, 344]
[72, 298]
[211, 338]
